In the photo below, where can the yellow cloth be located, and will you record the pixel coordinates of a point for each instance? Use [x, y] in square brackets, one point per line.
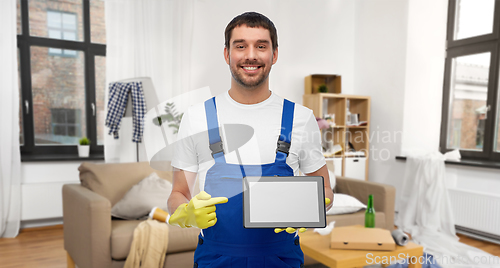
[149, 245]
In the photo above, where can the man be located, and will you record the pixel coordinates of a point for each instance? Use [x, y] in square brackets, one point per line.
[251, 48]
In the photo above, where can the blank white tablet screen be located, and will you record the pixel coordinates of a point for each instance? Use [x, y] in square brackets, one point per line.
[283, 202]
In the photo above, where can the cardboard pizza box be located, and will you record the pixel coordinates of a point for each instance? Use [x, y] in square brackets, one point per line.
[359, 237]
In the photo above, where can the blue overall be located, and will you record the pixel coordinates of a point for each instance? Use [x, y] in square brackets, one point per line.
[228, 244]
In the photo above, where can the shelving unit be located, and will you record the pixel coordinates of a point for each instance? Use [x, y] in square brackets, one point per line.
[341, 133]
[332, 82]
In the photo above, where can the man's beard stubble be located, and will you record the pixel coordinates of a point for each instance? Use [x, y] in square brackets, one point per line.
[248, 85]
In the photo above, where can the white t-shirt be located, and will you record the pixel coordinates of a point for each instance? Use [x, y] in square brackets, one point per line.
[192, 152]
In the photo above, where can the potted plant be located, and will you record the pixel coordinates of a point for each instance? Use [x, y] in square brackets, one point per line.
[323, 88]
[171, 116]
[84, 147]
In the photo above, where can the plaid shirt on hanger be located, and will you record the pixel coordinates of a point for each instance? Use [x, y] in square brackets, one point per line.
[118, 97]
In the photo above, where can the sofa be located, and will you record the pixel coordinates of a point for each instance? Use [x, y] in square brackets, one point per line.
[93, 238]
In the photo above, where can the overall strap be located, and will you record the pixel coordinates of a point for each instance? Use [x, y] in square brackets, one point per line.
[213, 131]
[285, 138]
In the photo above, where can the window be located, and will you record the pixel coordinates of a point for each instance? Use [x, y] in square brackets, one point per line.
[61, 77]
[100, 83]
[21, 131]
[65, 125]
[57, 84]
[470, 115]
[457, 134]
[61, 25]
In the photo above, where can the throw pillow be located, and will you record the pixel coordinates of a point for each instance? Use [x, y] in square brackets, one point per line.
[152, 191]
[343, 204]
[113, 180]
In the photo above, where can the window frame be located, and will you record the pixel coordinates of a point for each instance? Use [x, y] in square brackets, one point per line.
[463, 47]
[30, 151]
[471, 40]
[65, 124]
[62, 30]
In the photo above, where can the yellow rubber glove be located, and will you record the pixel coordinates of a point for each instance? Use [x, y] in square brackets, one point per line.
[200, 212]
[291, 230]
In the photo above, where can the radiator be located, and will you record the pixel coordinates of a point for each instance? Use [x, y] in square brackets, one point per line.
[476, 211]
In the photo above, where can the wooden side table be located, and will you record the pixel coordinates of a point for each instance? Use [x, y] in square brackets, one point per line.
[318, 247]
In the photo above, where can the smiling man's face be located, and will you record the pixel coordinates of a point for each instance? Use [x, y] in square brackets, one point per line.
[250, 55]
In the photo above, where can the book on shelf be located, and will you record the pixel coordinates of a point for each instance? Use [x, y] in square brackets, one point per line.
[331, 152]
[360, 123]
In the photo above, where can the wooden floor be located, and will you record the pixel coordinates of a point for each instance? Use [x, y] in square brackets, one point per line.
[43, 248]
[34, 247]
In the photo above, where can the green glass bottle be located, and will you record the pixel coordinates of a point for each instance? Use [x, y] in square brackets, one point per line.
[370, 213]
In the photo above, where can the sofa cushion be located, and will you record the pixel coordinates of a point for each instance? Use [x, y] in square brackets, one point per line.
[151, 192]
[122, 233]
[113, 180]
[343, 204]
[357, 218]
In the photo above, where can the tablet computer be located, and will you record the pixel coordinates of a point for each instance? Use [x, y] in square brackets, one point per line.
[280, 202]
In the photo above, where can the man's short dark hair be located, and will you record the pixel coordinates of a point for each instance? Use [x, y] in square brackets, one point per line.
[252, 19]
